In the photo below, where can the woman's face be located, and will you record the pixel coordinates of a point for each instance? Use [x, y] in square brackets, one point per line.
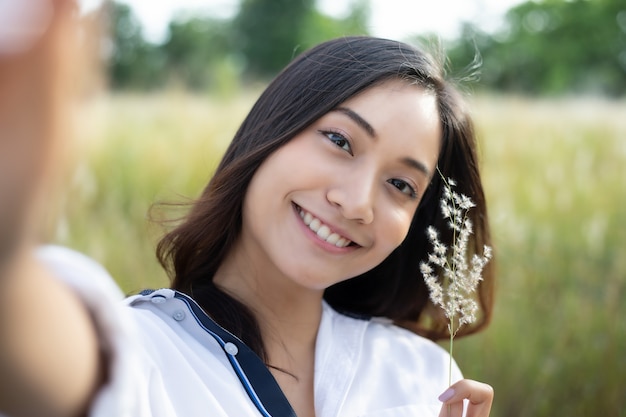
[338, 198]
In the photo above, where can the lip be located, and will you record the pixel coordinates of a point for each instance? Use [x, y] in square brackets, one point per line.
[322, 243]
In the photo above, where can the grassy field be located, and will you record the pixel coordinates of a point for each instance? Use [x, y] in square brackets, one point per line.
[555, 172]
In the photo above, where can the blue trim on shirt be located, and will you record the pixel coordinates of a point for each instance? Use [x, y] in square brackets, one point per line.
[253, 374]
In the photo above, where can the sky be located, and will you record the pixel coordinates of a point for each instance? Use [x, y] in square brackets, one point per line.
[395, 19]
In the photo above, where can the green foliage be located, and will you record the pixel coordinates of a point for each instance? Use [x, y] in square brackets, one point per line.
[545, 47]
[554, 174]
[320, 27]
[552, 47]
[205, 53]
[269, 32]
[133, 62]
[195, 49]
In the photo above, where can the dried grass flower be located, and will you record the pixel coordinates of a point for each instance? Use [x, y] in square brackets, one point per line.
[451, 274]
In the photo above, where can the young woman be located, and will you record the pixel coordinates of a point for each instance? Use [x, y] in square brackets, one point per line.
[288, 272]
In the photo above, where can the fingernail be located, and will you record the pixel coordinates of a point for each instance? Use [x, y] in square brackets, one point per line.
[447, 394]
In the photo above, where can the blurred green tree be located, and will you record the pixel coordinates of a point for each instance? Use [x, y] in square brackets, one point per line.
[552, 47]
[132, 62]
[268, 32]
[195, 48]
[202, 52]
[320, 27]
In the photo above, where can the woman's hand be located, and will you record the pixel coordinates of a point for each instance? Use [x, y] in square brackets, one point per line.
[479, 396]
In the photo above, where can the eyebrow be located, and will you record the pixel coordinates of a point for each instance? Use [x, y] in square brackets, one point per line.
[358, 120]
[410, 162]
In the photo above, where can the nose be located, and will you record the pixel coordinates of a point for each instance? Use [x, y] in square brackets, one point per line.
[354, 195]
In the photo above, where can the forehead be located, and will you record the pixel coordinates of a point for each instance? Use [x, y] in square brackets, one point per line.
[395, 93]
[398, 104]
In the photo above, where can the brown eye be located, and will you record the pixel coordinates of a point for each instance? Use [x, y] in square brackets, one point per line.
[403, 187]
[339, 140]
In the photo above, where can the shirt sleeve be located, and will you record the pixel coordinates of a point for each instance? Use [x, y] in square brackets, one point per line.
[99, 292]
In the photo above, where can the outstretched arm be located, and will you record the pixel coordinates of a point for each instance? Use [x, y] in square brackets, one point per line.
[49, 360]
[49, 356]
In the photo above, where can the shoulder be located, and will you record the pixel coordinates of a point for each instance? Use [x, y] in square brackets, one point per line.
[387, 350]
[384, 334]
[381, 335]
[414, 354]
[380, 365]
[116, 328]
[152, 341]
[79, 271]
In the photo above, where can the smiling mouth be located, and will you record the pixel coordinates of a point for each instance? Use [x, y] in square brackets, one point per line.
[323, 231]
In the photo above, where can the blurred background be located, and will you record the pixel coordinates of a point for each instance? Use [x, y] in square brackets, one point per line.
[546, 81]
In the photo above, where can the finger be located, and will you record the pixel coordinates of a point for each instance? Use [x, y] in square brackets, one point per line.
[452, 410]
[480, 397]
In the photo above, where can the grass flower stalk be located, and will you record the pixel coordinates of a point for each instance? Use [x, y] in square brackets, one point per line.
[451, 274]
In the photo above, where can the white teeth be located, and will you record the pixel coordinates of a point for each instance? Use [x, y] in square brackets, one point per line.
[333, 238]
[315, 225]
[342, 243]
[323, 231]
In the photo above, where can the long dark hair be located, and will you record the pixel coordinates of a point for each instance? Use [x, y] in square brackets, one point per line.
[316, 82]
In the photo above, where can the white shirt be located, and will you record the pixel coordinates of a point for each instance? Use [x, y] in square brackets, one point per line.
[164, 362]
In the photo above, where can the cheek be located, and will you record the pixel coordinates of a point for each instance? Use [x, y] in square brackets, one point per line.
[395, 228]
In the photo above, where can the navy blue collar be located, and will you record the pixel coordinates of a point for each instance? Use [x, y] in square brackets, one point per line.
[254, 375]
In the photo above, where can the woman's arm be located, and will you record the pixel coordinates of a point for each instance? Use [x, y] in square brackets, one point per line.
[50, 363]
[49, 355]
